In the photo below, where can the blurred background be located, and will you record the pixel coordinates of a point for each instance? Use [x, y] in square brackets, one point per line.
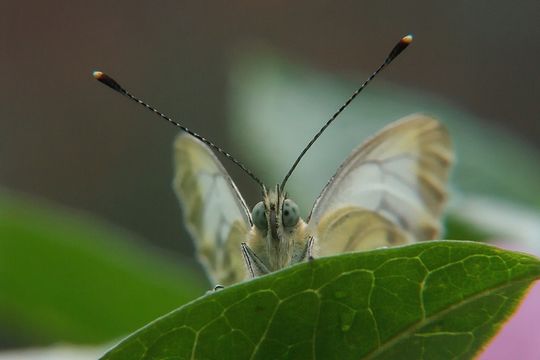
[85, 195]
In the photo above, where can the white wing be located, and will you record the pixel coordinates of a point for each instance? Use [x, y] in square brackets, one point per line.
[214, 212]
[390, 190]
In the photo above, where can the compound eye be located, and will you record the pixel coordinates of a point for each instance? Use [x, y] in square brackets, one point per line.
[259, 217]
[289, 213]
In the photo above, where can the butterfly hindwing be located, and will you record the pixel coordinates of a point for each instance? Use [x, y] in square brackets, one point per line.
[214, 212]
[391, 190]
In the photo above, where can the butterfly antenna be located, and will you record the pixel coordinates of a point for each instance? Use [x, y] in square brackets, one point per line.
[110, 82]
[398, 48]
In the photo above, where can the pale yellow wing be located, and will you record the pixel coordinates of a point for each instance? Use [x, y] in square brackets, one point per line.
[391, 190]
[214, 212]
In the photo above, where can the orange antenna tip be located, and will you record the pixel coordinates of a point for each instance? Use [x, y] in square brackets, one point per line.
[97, 74]
[407, 39]
[109, 81]
[399, 47]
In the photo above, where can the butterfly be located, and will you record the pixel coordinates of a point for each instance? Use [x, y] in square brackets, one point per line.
[389, 191]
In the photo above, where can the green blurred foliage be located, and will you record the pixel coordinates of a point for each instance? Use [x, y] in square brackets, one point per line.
[71, 278]
[458, 228]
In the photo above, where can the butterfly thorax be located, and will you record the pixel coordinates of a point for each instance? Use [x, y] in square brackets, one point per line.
[284, 239]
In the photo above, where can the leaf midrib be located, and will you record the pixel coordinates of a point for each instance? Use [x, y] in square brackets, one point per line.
[428, 320]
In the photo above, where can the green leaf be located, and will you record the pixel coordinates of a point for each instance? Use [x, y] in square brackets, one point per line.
[71, 278]
[439, 299]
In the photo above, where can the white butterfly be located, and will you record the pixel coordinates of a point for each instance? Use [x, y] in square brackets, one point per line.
[389, 191]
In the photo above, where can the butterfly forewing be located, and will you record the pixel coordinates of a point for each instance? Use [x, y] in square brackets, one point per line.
[214, 212]
[389, 191]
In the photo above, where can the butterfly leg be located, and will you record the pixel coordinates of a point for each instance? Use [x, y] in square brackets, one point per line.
[310, 246]
[216, 288]
[306, 252]
[254, 264]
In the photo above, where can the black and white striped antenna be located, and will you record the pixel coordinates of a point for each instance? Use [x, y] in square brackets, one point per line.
[110, 82]
[397, 49]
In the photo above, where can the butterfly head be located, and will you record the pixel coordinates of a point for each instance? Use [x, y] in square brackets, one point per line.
[275, 216]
